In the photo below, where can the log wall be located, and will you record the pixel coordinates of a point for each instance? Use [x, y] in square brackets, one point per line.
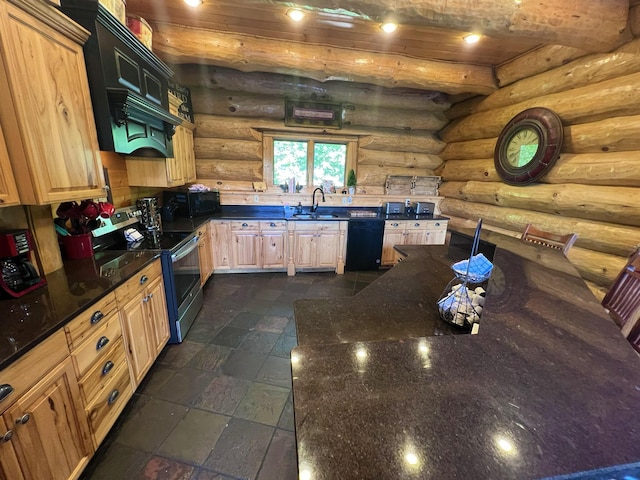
[594, 188]
[396, 128]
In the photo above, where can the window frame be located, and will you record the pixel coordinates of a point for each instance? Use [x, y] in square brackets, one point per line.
[267, 153]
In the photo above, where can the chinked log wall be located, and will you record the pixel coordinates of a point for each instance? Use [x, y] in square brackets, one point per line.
[396, 127]
[593, 190]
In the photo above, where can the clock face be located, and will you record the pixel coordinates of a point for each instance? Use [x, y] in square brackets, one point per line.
[522, 147]
[528, 146]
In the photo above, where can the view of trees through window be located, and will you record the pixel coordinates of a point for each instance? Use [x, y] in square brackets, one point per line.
[291, 159]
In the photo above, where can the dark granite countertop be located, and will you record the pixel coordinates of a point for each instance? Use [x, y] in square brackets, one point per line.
[549, 386]
[69, 290]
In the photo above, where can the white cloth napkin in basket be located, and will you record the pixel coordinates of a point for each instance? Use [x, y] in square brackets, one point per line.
[476, 269]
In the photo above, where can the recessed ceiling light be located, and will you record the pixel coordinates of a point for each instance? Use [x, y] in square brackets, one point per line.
[389, 27]
[473, 38]
[193, 3]
[295, 14]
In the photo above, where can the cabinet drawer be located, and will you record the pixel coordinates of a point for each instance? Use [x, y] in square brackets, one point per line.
[273, 225]
[416, 225]
[83, 325]
[245, 225]
[100, 374]
[106, 407]
[96, 345]
[437, 225]
[328, 226]
[394, 225]
[136, 284]
[22, 374]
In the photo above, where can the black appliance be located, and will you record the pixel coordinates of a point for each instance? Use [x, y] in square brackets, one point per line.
[180, 266]
[128, 84]
[18, 276]
[364, 243]
[191, 203]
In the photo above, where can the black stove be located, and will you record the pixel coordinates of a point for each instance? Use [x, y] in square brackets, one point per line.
[164, 241]
[413, 216]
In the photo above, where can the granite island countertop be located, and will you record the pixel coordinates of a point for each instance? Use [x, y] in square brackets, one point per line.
[549, 386]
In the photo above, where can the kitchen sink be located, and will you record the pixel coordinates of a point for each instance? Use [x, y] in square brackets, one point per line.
[314, 216]
[303, 215]
[326, 215]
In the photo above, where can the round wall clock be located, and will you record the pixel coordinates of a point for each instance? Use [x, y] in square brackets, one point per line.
[528, 146]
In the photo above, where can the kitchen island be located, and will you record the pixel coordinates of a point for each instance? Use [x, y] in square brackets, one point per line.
[548, 387]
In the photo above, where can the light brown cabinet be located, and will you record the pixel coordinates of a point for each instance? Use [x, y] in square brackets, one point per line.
[258, 244]
[205, 253]
[8, 190]
[145, 323]
[46, 113]
[171, 171]
[221, 246]
[410, 232]
[317, 245]
[273, 244]
[45, 433]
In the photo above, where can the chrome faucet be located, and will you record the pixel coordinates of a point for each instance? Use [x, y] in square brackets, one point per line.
[314, 205]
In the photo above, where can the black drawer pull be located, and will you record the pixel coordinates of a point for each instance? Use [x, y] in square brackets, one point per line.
[23, 419]
[102, 342]
[113, 397]
[143, 279]
[394, 224]
[7, 436]
[417, 225]
[272, 224]
[96, 317]
[107, 367]
[5, 391]
[245, 225]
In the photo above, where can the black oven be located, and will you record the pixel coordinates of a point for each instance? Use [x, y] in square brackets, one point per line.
[185, 203]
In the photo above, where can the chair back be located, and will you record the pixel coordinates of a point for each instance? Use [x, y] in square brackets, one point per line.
[623, 300]
[548, 239]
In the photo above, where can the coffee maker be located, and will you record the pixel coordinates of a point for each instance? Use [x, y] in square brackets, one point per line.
[18, 276]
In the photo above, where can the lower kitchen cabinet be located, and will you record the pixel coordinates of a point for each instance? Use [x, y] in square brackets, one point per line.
[410, 232]
[273, 244]
[145, 323]
[205, 253]
[245, 241]
[221, 245]
[317, 245]
[47, 435]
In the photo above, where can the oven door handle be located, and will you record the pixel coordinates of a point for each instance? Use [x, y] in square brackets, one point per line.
[190, 246]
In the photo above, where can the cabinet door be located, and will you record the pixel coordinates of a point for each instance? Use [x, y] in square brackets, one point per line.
[134, 316]
[175, 172]
[9, 466]
[204, 254]
[221, 245]
[158, 319]
[8, 189]
[327, 249]
[49, 120]
[273, 249]
[415, 237]
[305, 249]
[51, 436]
[189, 160]
[246, 249]
[390, 239]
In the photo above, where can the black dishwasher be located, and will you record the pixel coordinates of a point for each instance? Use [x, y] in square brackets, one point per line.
[364, 244]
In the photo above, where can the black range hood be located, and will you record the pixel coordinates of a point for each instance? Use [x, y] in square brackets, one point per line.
[128, 83]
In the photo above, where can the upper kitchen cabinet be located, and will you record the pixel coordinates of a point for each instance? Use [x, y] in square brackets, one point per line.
[8, 189]
[129, 85]
[46, 115]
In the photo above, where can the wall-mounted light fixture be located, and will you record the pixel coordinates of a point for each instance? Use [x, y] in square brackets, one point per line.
[389, 27]
[193, 3]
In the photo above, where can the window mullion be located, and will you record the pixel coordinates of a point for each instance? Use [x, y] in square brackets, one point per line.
[310, 165]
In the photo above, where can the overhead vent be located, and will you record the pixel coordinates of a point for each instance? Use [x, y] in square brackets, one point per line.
[128, 83]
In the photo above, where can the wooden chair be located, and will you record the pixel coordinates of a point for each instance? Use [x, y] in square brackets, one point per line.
[623, 300]
[540, 237]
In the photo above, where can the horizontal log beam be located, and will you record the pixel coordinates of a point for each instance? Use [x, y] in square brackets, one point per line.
[181, 44]
[471, 149]
[604, 237]
[393, 118]
[249, 171]
[227, 149]
[376, 175]
[615, 97]
[620, 205]
[540, 60]
[400, 142]
[307, 89]
[481, 170]
[583, 71]
[398, 159]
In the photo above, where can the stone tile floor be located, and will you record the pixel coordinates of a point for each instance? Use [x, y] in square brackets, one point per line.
[219, 405]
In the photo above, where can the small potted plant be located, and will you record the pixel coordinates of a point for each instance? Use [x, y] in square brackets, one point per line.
[351, 182]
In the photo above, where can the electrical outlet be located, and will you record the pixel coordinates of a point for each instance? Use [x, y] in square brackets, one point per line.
[349, 199]
[256, 198]
[407, 201]
[344, 200]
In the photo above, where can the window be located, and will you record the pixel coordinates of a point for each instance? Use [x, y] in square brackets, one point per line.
[310, 160]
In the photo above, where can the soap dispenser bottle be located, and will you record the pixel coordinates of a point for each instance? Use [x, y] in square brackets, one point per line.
[299, 208]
